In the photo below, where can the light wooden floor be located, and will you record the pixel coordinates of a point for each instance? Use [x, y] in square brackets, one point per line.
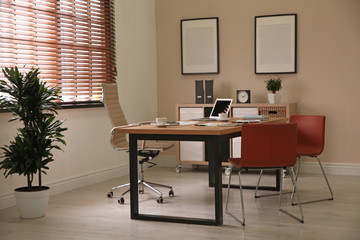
[87, 213]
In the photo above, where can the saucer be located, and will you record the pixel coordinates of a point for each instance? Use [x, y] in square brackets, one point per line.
[162, 125]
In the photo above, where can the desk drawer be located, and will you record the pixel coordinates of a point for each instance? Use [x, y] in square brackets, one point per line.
[273, 112]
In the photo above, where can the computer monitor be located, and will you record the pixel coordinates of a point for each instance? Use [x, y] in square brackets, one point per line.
[221, 105]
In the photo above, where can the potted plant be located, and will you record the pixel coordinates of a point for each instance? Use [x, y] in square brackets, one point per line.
[273, 85]
[33, 104]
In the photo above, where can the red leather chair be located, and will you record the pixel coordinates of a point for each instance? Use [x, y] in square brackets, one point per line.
[266, 146]
[310, 142]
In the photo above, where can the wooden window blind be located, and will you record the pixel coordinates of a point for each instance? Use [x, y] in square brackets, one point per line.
[71, 41]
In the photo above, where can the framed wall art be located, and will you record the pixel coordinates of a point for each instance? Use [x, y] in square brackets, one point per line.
[275, 43]
[200, 45]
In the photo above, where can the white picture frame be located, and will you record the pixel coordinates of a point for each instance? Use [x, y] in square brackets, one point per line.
[275, 43]
[200, 45]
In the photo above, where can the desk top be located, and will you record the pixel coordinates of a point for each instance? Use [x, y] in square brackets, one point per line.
[189, 129]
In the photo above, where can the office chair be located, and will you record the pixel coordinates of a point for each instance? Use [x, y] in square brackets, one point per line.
[148, 150]
[310, 143]
[266, 146]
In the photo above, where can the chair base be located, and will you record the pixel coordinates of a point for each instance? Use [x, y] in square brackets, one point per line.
[142, 184]
[314, 201]
[233, 216]
[326, 180]
[292, 176]
[291, 215]
[242, 222]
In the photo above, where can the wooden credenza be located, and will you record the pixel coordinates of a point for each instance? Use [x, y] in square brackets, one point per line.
[193, 152]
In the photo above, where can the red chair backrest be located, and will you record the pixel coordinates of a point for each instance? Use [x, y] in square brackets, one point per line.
[311, 133]
[268, 145]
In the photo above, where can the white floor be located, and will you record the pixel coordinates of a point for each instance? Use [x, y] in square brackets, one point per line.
[87, 213]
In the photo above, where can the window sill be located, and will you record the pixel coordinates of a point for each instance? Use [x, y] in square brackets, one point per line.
[73, 105]
[81, 105]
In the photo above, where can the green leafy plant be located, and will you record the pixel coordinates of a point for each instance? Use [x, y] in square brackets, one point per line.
[274, 84]
[34, 105]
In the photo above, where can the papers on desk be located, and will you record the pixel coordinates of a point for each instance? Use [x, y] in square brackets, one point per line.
[248, 121]
[210, 124]
[226, 124]
[256, 117]
[229, 124]
[188, 122]
[166, 124]
[177, 123]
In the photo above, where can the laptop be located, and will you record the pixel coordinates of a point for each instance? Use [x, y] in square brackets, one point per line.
[221, 105]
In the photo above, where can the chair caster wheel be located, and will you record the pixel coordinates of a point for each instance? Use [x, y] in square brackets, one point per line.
[178, 169]
[159, 200]
[227, 171]
[141, 191]
[110, 194]
[171, 193]
[121, 200]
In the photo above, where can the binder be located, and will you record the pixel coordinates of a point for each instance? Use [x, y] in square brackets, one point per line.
[199, 91]
[209, 91]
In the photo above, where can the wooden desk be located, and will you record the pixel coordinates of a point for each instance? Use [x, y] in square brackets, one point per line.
[213, 136]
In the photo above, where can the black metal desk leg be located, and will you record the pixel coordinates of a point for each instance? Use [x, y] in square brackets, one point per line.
[134, 197]
[213, 153]
[214, 156]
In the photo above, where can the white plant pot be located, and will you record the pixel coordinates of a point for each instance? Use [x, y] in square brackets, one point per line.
[32, 204]
[274, 98]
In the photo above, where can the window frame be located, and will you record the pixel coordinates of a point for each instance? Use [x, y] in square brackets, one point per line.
[85, 36]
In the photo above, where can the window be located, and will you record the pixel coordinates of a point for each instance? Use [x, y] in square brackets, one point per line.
[71, 41]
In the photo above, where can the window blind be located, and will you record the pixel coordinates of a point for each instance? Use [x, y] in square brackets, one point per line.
[71, 41]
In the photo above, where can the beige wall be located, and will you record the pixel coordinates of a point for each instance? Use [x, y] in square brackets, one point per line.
[136, 58]
[327, 81]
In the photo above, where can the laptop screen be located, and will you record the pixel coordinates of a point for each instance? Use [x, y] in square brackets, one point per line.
[221, 105]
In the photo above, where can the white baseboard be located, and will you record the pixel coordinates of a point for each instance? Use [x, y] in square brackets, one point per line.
[86, 179]
[332, 168]
[8, 200]
[306, 167]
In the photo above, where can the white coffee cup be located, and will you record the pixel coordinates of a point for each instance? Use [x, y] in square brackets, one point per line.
[161, 121]
[223, 116]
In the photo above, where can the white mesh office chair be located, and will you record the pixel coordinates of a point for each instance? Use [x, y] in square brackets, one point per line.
[147, 149]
